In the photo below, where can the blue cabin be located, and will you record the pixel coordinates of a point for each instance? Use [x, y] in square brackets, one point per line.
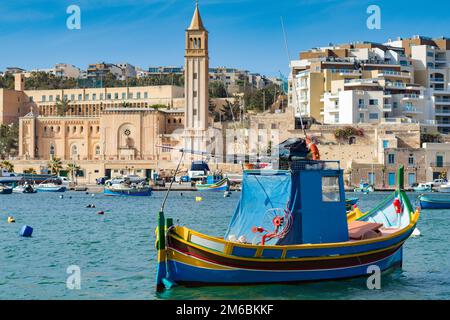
[310, 195]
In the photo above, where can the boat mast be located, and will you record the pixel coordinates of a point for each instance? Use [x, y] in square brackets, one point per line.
[293, 76]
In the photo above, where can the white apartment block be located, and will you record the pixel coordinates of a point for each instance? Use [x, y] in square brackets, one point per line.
[403, 80]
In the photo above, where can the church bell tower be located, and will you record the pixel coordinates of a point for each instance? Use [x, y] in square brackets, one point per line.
[196, 84]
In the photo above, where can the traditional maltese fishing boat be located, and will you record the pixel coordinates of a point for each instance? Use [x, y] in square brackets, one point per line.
[289, 226]
[210, 185]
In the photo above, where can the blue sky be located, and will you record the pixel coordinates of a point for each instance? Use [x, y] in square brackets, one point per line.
[243, 33]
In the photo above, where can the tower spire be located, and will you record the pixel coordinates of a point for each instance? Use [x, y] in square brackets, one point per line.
[196, 23]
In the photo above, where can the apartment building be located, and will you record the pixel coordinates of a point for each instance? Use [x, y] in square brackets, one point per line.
[100, 70]
[370, 82]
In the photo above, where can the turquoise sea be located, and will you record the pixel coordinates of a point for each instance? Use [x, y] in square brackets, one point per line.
[116, 254]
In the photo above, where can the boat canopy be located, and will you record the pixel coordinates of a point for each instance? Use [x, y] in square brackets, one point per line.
[309, 198]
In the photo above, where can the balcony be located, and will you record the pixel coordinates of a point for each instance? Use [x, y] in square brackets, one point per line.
[440, 164]
[443, 113]
[362, 107]
[411, 110]
[394, 74]
[442, 101]
[445, 124]
[411, 97]
[387, 107]
[437, 80]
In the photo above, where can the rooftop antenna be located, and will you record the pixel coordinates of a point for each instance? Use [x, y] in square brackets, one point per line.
[293, 77]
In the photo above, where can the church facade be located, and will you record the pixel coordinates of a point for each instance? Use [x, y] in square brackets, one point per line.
[117, 131]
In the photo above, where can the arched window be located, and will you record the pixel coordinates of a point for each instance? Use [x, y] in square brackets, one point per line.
[168, 120]
[52, 150]
[97, 150]
[352, 140]
[74, 150]
[199, 43]
[74, 129]
[81, 129]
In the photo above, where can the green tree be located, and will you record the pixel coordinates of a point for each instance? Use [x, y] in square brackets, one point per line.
[55, 165]
[72, 169]
[30, 171]
[8, 166]
[217, 89]
[9, 140]
[62, 106]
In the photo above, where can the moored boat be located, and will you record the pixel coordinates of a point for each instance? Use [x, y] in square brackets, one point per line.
[24, 188]
[364, 187]
[289, 226]
[423, 187]
[434, 201]
[123, 189]
[214, 184]
[51, 185]
[5, 189]
[444, 188]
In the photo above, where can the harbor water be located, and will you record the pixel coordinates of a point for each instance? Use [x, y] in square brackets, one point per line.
[116, 254]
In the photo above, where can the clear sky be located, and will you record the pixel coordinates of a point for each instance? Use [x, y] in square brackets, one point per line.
[243, 33]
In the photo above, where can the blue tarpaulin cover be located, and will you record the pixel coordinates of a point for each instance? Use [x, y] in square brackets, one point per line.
[261, 192]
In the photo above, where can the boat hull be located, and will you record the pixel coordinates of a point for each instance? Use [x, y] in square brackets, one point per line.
[192, 274]
[434, 203]
[51, 189]
[228, 263]
[6, 191]
[131, 193]
[220, 186]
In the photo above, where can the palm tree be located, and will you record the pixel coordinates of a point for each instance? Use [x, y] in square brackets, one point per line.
[8, 166]
[72, 169]
[62, 106]
[30, 171]
[55, 165]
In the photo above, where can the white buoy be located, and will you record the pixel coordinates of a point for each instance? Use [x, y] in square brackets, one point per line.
[416, 233]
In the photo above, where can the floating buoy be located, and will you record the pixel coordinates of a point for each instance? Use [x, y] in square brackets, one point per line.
[92, 195]
[61, 197]
[198, 199]
[227, 194]
[26, 231]
[101, 212]
[416, 233]
[11, 220]
[181, 194]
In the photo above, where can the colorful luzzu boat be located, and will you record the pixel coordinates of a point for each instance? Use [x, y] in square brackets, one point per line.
[222, 185]
[289, 226]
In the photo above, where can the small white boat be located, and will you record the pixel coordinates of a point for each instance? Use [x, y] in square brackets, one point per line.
[424, 187]
[24, 188]
[50, 186]
[445, 188]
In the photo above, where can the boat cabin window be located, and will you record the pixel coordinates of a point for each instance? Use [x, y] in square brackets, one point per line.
[330, 189]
